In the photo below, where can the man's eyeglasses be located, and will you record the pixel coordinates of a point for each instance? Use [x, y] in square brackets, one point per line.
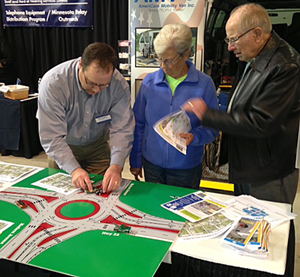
[234, 40]
[90, 83]
[167, 62]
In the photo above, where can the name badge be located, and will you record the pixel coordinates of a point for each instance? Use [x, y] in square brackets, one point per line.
[103, 118]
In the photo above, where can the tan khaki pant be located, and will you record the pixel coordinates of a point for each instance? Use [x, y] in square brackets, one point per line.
[94, 158]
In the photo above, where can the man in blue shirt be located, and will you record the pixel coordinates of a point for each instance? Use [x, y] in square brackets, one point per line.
[82, 104]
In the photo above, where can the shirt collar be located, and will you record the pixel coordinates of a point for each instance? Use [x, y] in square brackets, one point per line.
[262, 60]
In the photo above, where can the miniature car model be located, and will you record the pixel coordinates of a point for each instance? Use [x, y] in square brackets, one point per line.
[21, 204]
[122, 228]
[99, 191]
[96, 188]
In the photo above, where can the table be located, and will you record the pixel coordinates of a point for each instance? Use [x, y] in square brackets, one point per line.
[19, 127]
[74, 234]
[136, 256]
[213, 258]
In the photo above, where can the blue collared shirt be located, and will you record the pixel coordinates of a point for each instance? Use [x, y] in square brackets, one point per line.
[67, 115]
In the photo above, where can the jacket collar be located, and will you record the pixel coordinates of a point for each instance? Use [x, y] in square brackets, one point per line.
[263, 58]
[191, 77]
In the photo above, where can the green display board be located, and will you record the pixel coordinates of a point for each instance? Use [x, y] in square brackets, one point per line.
[75, 234]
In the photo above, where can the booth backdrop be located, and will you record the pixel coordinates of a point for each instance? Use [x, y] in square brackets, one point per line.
[36, 50]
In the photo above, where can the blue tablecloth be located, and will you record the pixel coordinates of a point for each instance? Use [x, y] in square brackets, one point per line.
[10, 123]
[19, 127]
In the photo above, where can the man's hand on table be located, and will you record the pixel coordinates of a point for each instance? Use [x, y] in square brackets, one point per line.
[81, 179]
[112, 178]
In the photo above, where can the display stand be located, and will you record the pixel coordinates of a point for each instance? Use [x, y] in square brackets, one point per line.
[124, 59]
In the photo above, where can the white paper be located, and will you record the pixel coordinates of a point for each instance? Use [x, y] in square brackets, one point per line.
[13, 172]
[59, 182]
[207, 228]
[246, 205]
[4, 89]
[195, 206]
[170, 126]
[5, 225]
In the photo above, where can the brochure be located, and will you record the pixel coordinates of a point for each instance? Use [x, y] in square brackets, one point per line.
[195, 206]
[206, 228]
[258, 246]
[13, 172]
[242, 231]
[170, 126]
[248, 206]
[59, 182]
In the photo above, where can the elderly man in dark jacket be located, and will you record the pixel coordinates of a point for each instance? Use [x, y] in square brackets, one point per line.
[263, 112]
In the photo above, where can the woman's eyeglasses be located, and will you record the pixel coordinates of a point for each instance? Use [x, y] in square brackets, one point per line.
[168, 62]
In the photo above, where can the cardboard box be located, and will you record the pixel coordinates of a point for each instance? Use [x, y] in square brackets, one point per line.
[17, 92]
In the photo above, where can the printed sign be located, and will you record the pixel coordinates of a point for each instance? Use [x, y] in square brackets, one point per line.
[47, 13]
[147, 17]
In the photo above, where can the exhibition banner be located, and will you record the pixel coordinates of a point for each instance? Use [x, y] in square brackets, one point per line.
[147, 17]
[47, 13]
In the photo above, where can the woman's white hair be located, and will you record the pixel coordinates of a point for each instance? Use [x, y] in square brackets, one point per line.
[178, 36]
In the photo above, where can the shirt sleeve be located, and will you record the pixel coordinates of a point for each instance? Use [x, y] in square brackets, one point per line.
[122, 123]
[53, 127]
[268, 110]
[204, 135]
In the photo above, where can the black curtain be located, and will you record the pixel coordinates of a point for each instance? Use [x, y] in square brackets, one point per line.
[36, 50]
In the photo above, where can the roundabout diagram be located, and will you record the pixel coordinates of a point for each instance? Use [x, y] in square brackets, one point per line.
[63, 214]
[55, 218]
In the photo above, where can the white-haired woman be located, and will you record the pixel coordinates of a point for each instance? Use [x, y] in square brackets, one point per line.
[161, 93]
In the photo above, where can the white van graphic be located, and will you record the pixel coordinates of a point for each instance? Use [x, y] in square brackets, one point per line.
[146, 46]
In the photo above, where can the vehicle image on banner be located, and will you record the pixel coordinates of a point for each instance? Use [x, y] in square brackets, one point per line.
[146, 42]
